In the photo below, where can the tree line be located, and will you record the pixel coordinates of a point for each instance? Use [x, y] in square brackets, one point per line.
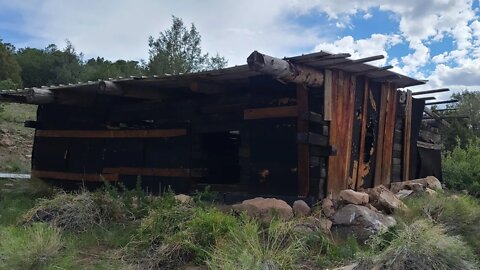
[176, 50]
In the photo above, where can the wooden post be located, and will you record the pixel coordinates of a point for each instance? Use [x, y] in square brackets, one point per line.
[406, 136]
[387, 149]
[303, 169]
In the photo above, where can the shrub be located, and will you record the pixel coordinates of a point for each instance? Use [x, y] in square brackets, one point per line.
[419, 245]
[461, 170]
[459, 214]
[77, 212]
[250, 247]
[28, 247]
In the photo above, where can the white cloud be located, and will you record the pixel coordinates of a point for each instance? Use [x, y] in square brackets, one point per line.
[374, 45]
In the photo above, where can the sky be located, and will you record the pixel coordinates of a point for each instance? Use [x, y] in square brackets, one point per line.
[435, 40]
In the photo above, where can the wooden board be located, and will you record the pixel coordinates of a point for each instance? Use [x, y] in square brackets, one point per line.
[272, 112]
[406, 136]
[303, 149]
[387, 150]
[168, 172]
[160, 133]
[363, 132]
[327, 108]
[343, 111]
[381, 134]
[74, 176]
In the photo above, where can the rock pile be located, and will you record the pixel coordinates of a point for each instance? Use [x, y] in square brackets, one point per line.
[360, 213]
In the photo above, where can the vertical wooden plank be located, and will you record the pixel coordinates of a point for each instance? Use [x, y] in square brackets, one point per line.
[332, 174]
[381, 133]
[349, 115]
[303, 149]
[327, 102]
[361, 160]
[343, 99]
[406, 136]
[388, 137]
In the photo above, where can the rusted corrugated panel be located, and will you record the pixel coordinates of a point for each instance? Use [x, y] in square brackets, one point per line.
[343, 111]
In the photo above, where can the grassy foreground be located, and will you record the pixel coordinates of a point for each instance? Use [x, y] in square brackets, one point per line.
[45, 229]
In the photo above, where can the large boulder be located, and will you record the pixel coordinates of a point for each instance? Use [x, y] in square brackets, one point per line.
[265, 208]
[360, 220]
[383, 199]
[301, 208]
[354, 197]
[429, 182]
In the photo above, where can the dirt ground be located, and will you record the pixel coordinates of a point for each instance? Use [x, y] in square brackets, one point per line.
[16, 140]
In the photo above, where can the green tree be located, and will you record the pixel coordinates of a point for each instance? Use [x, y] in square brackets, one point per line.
[462, 130]
[178, 50]
[99, 68]
[50, 65]
[9, 68]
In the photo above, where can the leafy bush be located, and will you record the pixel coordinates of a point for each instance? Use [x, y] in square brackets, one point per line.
[461, 168]
[419, 245]
[459, 214]
[28, 247]
[77, 212]
[251, 247]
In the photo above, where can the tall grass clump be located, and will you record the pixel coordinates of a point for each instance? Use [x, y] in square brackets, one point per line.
[29, 247]
[419, 245]
[77, 212]
[174, 234]
[460, 168]
[459, 214]
[252, 247]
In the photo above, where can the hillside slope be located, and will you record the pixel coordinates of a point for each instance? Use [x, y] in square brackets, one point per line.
[15, 139]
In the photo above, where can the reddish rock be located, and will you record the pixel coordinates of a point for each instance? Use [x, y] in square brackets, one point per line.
[327, 207]
[429, 182]
[265, 209]
[354, 197]
[301, 208]
[383, 199]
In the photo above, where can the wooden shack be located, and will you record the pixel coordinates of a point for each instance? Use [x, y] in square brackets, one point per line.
[302, 126]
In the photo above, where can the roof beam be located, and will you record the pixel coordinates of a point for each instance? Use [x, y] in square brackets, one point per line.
[442, 102]
[431, 91]
[284, 70]
[435, 116]
[426, 98]
[372, 70]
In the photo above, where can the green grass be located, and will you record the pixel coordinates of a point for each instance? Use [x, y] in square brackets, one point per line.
[459, 214]
[31, 247]
[421, 244]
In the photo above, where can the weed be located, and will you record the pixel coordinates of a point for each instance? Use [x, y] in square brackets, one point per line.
[250, 247]
[76, 212]
[419, 245]
[28, 247]
[459, 214]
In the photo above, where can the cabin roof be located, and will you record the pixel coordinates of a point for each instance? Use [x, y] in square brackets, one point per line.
[231, 75]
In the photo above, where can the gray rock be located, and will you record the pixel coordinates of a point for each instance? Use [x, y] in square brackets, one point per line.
[183, 199]
[429, 182]
[362, 220]
[404, 193]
